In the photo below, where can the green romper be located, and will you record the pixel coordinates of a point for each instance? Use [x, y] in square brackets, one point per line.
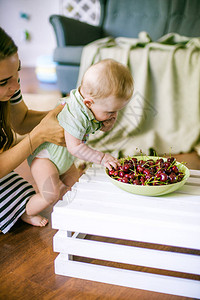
[77, 120]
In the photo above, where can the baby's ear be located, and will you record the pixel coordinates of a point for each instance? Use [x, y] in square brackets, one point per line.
[88, 102]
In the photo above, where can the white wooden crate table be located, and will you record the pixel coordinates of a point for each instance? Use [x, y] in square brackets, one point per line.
[98, 208]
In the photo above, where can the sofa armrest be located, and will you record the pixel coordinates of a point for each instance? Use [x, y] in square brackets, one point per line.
[73, 32]
[70, 55]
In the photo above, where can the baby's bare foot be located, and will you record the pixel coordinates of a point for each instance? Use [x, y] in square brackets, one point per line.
[35, 220]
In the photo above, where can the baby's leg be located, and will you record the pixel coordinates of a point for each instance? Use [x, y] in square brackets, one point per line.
[70, 177]
[49, 185]
[36, 220]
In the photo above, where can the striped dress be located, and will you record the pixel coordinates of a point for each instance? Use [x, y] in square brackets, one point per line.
[14, 191]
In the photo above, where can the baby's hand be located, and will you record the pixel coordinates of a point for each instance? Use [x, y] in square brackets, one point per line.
[109, 161]
[108, 124]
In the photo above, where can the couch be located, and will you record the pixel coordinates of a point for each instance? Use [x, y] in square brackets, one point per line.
[159, 40]
[119, 18]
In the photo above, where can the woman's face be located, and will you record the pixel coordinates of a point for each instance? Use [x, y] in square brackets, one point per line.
[9, 68]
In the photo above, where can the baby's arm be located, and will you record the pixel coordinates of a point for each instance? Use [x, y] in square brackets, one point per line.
[77, 148]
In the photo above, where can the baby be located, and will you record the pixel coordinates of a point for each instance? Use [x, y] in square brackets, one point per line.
[105, 89]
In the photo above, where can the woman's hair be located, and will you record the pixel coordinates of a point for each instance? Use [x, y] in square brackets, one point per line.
[7, 48]
[7, 45]
[108, 77]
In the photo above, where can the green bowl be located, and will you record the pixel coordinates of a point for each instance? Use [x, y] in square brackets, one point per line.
[149, 190]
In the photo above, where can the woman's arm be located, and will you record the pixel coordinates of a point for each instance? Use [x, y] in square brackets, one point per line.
[24, 120]
[48, 130]
[13, 157]
[77, 148]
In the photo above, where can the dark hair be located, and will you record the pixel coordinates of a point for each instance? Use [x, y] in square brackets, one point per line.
[7, 45]
[7, 48]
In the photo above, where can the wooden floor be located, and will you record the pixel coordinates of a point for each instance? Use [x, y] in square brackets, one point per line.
[27, 257]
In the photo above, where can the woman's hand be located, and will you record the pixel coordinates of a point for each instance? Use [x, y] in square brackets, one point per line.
[50, 129]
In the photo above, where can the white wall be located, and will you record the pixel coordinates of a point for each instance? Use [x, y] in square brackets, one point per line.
[43, 40]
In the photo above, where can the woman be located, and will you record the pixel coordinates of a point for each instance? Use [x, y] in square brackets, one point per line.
[15, 117]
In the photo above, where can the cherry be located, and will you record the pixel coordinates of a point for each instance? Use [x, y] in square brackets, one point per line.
[172, 177]
[136, 182]
[141, 162]
[125, 180]
[134, 159]
[121, 174]
[131, 163]
[167, 165]
[131, 176]
[158, 174]
[180, 176]
[111, 172]
[158, 168]
[168, 171]
[148, 177]
[163, 177]
[147, 172]
[171, 160]
[126, 167]
[142, 180]
[150, 162]
[140, 168]
[159, 161]
[175, 169]
[152, 170]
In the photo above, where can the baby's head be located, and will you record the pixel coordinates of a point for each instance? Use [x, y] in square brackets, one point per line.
[106, 87]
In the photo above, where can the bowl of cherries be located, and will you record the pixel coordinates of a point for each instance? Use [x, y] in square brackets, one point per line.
[149, 175]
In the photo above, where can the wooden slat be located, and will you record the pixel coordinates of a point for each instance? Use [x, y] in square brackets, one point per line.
[134, 279]
[175, 201]
[195, 173]
[174, 204]
[179, 262]
[130, 228]
[153, 215]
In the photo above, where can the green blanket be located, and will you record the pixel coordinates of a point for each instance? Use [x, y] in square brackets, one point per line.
[164, 113]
